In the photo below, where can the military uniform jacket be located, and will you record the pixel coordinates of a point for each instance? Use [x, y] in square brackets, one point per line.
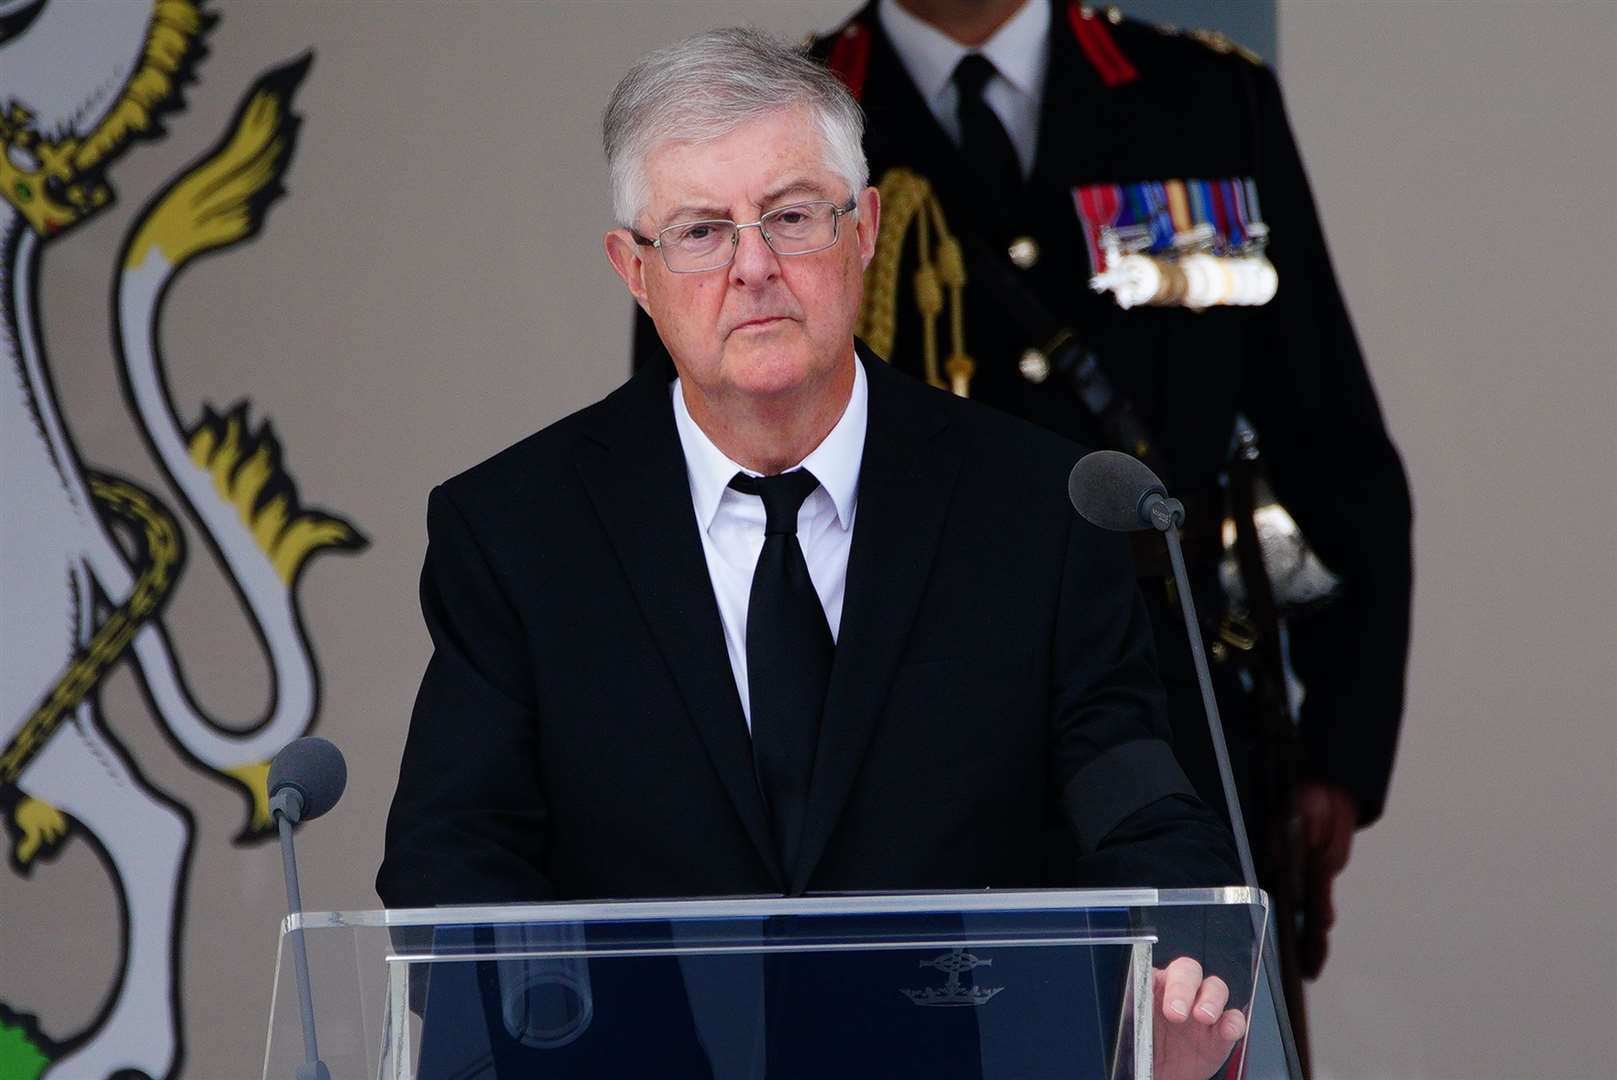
[1123, 103]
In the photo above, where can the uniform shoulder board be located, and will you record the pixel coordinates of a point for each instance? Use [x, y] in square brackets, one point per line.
[1220, 43]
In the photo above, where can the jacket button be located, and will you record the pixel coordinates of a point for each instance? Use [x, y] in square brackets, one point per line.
[1024, 252]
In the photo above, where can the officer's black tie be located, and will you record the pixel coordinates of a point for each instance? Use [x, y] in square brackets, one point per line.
[789, 652]
[988, 150]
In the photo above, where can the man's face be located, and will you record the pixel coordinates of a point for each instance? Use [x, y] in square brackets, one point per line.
[766, 325]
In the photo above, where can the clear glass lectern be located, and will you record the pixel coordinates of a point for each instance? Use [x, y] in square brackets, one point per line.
[987, 985]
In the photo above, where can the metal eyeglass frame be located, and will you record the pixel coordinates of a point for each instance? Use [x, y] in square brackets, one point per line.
[837, 214]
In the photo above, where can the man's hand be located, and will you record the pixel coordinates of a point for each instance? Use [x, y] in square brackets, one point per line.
[1193, 1032]
[1328, 814]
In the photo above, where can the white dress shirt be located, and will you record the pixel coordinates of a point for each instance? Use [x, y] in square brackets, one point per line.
[1018, 52]
[732, 524]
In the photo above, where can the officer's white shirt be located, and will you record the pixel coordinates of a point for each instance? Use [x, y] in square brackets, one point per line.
[1017, 49]
[732, 523]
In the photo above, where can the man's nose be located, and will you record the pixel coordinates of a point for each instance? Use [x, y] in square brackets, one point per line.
[755, 261]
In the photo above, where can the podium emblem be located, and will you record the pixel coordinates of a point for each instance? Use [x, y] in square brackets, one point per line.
[953, 963]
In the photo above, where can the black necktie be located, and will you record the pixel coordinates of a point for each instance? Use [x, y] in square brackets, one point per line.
[988, 150]
[789, 651]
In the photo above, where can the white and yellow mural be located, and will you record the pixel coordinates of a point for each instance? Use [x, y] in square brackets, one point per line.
[88, 558]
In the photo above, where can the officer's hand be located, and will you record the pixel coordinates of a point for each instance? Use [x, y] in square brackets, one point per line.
[1328, 814]
[1193, 1031]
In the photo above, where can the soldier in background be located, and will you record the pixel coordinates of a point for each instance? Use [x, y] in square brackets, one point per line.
[1023, 147]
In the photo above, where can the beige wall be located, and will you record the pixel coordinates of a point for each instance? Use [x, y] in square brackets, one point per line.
[432, 289]
[1464, 156]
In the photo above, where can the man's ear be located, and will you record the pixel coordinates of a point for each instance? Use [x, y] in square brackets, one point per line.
[628, 263]
[868, 223]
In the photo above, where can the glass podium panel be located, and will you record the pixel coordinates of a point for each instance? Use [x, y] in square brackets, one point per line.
[983, 985]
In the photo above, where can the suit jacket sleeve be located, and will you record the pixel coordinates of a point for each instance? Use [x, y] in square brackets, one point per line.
[467, 824]
[1334, 468]
[1134, 813]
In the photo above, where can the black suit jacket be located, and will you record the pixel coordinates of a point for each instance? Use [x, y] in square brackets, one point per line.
[993, 717]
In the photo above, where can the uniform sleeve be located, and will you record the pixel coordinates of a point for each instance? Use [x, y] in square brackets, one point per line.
[1335, 470]
[467, 823]
[1134, 813]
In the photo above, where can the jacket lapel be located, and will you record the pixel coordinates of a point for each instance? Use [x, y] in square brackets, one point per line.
[905, 482]
[634, 471]
[1080, 126]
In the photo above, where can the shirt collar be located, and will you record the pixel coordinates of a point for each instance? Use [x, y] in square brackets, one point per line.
[1017, 48]
[834, 463]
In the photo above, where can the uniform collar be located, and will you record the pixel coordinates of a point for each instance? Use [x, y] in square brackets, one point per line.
[834, 463]
[1017, 48]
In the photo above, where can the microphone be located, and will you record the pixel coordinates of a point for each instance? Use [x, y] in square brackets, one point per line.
[305, 780]
[1120, 493]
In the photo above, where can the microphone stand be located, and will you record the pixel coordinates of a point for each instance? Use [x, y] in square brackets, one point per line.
[287, 807]
[1166, 515]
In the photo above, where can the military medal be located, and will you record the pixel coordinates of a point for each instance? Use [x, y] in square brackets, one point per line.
[1195, 243]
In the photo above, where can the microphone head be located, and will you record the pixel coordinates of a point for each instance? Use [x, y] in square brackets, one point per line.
[1107, 489]
[315, 769]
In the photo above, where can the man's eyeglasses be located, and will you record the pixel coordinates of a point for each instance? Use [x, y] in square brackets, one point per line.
[692, 247]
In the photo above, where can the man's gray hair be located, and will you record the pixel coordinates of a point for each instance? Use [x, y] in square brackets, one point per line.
[707, 86]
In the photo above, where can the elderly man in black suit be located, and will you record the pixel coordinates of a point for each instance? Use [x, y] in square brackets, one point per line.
[779, 619]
